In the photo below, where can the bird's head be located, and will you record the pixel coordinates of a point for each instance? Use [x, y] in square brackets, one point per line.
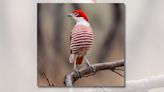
[78, 15]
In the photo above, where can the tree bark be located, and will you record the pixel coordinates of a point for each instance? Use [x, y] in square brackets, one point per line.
[70, 79]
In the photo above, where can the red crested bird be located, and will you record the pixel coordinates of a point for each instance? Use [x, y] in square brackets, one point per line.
[81, 39]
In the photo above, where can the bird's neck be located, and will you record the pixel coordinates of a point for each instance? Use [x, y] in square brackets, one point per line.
[82, 21]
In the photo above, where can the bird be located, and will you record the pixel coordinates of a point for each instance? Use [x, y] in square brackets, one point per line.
[81, 39]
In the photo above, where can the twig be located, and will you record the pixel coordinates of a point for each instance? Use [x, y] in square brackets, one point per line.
[120, 69]
[50, 83]
[118, 73]
[114, 70]
[85, 72]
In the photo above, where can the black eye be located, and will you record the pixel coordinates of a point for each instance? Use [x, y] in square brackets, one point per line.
[76, 14]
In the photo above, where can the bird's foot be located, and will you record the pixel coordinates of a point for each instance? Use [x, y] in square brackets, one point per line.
[77, 72]
[92, 69]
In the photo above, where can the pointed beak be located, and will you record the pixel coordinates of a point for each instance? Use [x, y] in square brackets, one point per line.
[70, 15]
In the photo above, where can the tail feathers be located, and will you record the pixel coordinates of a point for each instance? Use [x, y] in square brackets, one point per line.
[79, 60]
[72, 59]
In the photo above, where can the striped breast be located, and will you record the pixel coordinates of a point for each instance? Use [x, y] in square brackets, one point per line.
[81, 38]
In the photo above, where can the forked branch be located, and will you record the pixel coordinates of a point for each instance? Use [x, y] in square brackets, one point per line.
[85, 72]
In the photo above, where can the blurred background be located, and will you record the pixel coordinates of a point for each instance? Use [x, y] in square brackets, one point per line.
[18, 43]
[54, 27]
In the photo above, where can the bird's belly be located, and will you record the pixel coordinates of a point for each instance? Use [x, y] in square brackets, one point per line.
[81, 42]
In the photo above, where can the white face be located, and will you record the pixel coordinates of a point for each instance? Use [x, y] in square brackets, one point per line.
[75, 16]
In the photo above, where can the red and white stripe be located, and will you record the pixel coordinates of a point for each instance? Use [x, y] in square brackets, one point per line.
[81, 37]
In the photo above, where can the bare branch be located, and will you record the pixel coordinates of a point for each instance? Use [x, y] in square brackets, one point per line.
[118, 73]
[50, 83]
[120, 69]
[85, 72]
